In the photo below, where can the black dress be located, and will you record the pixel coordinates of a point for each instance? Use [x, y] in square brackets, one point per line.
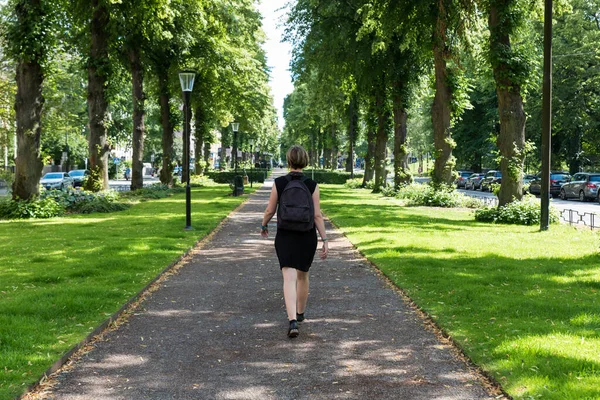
[295, 249]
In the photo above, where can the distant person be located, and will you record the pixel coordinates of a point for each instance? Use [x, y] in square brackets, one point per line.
[127, 173]
[296, 238]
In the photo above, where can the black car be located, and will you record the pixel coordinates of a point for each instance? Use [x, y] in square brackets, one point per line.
[491, 177]
[557, 179]
[474, 181]
[462, 178]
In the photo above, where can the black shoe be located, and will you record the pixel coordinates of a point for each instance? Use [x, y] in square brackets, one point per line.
[293, 331]
[300, 317]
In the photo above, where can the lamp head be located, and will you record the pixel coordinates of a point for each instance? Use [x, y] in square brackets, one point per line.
[186, 78]
[235, 126]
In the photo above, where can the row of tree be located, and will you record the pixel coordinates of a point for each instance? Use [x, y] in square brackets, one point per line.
[102, 72]
[463, 74]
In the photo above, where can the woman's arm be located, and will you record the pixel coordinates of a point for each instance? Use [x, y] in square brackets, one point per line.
[320, 223]
[270, 210]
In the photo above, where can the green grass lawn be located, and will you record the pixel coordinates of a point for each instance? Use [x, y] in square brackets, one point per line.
[60, 278]
[523, 304]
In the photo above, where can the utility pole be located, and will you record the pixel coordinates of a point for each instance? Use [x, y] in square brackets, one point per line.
[546, 118]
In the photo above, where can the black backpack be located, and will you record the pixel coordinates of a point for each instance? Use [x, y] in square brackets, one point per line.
[296, 211]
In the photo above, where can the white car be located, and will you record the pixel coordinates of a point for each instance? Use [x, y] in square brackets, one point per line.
[56, 180]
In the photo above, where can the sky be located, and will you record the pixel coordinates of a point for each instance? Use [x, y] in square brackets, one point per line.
[278, 54]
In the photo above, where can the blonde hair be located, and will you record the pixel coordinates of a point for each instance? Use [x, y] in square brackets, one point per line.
[297, 157]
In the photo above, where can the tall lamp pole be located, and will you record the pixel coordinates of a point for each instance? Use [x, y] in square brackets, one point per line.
[235, 126]
[546, 119]
[251, 159]
[186, 78]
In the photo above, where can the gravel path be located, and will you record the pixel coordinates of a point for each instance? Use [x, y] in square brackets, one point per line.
[217, 330]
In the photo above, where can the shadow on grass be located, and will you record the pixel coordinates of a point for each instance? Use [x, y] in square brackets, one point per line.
[59, 278]
[522, 303]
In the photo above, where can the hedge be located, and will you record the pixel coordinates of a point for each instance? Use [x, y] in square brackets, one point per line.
[331, 177]
[256, 175]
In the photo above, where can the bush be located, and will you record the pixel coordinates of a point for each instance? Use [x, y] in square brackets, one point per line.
[35, 208]
[389, 191]
[331, 177]
[257, 175]
[155, 191]
[524, 212]
[418, 194]
[353, 183]
[69, 198]
[100, 205]
[198, 180]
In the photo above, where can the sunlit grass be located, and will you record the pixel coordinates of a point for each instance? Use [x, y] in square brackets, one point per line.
[60, 278]
[523, 304]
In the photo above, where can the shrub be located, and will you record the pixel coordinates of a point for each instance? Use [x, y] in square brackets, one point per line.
[100, 205]
[155, 191]
[330, 177]
[72, 200]
[418, 194]
[35, 208]
[257, 175]
[353, 183]
[357, 183]
[198, 180]
[524, 212]
[389, 191]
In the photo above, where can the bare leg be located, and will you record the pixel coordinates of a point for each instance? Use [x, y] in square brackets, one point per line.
[289, 291]
[302, 291]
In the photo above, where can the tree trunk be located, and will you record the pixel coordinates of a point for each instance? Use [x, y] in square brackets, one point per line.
[511, 139]
[137, 74]
[440, 110]
[401, 173]
[207, 144]
[334, 150]
[98, 65]
[166, 172]
[381, 141]
[224, 145]
[28, 109]
[312, 155]
[353, 123]
[371, 140]
[199, 134]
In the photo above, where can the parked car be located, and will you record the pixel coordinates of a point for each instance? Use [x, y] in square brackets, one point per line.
[557, 179]
[583, 185]
[79, 176]
[491, 177]
[462, 178]
[474, 181]
[56, 180]
[527, 178]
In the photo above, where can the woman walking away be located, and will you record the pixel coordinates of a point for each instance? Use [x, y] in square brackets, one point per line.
[295, 198]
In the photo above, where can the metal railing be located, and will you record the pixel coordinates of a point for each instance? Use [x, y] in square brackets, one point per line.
[569, 216]
[574, 217]
[488, 201]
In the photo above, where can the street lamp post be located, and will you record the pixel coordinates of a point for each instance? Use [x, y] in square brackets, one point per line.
[235, 126]
[186, 78]
[238, 182]
[251, 159]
